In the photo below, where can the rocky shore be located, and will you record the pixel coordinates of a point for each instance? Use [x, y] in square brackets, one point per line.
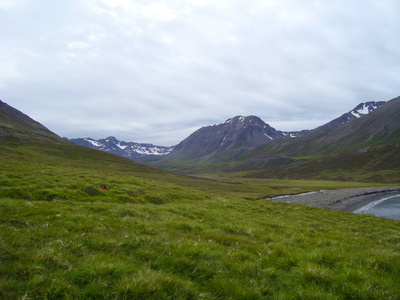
[341, 200]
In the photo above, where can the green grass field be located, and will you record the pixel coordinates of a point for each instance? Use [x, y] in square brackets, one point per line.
[159, 235]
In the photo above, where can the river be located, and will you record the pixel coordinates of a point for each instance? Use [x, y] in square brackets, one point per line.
[387, 207]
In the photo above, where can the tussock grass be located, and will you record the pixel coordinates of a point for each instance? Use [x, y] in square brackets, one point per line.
[216, 248]
[157, 235]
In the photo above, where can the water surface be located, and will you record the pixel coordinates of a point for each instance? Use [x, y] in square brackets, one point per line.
[387, 207]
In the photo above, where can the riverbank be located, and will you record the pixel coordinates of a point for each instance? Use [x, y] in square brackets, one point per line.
[342, 200]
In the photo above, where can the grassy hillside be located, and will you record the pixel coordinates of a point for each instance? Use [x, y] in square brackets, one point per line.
[62, 171]
[15, 125]
[158, 235]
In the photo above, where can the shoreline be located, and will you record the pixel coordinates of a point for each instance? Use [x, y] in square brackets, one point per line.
[348, 200]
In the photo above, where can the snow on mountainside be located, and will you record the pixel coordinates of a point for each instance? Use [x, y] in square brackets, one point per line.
[233, 135]
[131, 150]
[365, 108]
[359, 111]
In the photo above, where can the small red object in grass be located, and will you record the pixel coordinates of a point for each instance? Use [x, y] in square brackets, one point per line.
[103, 188]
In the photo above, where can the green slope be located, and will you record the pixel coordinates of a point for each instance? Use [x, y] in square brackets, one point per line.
[14, 125]
[61, 171]
[61, 237]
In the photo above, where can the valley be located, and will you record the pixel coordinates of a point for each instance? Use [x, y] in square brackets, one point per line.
[360, 145]
[155, 234]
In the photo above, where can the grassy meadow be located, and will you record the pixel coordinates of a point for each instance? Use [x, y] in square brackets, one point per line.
[159, 235]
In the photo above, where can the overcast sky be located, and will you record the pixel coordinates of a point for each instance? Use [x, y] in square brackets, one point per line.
[155, 71]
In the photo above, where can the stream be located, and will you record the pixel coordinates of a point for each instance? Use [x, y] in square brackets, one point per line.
[388, 207]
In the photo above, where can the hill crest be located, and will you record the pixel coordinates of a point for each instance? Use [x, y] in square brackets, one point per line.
[16, 125]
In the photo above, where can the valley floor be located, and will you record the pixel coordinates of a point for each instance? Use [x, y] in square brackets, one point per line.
[342, 200]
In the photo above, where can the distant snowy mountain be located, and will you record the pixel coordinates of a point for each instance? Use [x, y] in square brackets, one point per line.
[131, 150]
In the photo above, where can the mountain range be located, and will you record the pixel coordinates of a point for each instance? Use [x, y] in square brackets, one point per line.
[362, 144]
[233, 136]
[131, 150]
[243, 133]
[366, 149]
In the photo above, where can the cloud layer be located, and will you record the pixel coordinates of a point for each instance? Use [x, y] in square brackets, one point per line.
[155, 71]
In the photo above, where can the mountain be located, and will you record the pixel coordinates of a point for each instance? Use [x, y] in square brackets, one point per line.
[222, 141]
[379, 125]
[365, 148]
[131, 150]
[235, 135]
[239, 134]
[247, 144]
[360, 110]
[319, 140]
[14, 125]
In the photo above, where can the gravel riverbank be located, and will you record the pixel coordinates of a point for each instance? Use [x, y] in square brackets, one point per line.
[342, 200]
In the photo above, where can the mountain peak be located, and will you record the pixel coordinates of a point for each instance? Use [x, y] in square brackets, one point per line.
[235, 134]
[360, 110]
[112, 139]
[243, 120]
[365, 108]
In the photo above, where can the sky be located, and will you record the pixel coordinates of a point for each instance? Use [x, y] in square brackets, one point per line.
[155, 71]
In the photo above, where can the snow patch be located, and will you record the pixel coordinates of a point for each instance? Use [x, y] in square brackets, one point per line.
[130, 148]
[121, 146]
[151, 151]
[364, 110]
[223, 140]
[94, 143]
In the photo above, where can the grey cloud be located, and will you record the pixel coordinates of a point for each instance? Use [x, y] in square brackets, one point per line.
[154, 72]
